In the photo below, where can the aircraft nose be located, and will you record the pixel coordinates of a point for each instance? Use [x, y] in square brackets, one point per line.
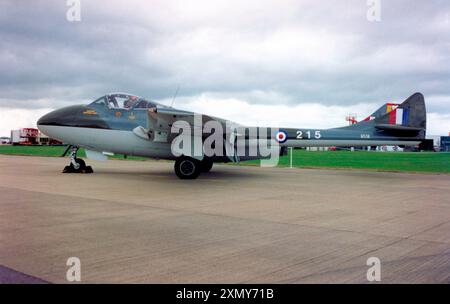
[73, 116]
[61, 117]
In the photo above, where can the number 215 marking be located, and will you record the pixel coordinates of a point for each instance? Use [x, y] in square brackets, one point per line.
[317, 135]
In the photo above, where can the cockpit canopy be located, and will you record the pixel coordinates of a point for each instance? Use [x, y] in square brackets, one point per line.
[124, 101]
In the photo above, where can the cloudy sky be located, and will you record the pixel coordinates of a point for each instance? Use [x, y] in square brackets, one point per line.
[266, 62]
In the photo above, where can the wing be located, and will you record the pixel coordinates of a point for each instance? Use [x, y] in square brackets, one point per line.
[161, 119]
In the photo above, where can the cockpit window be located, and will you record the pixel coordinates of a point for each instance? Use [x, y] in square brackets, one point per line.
[122, 101]
[125, 101]
[101, 101]
[144, 104]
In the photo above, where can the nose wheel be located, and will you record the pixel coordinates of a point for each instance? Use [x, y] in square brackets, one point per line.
[77, 165]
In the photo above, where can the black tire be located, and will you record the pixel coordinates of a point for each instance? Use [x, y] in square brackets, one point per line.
[206, 166]
[81, 163]
[67, 169]
[187, 168]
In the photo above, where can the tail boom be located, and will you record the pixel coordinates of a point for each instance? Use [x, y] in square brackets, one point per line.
[403, 126]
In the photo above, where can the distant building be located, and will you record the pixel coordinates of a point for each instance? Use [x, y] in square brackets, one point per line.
[31, 136]
[45, 140]
[427, 145]
[436, 140]
[445, 143]
[389, 149]
[25, 136]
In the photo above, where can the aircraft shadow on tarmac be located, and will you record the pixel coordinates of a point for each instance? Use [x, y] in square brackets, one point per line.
[168, 174]
[243, 173]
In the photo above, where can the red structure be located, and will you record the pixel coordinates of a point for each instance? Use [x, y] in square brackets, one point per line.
[351, 118]
[25, 136]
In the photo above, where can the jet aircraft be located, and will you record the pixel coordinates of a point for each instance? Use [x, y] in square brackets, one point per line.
[128, 124]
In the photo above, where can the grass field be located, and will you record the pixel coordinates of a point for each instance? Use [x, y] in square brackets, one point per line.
[35, 150]
[50, 151]
[381, 161]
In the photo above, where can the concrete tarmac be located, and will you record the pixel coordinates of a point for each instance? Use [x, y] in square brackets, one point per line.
[136, 222]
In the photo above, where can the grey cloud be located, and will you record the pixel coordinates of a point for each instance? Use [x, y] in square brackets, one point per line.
[263, 51]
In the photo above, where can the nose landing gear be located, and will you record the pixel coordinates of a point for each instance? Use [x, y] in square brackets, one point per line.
[77, 165]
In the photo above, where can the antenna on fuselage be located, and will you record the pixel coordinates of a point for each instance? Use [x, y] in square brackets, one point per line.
[175, 96]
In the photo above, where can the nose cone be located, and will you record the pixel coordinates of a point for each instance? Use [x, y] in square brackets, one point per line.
[58, 121]
[62, 117]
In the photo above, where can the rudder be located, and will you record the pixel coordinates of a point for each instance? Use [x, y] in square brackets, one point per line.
[409, 116]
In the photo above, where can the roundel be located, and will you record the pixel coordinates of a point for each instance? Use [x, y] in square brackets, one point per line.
[281, 136]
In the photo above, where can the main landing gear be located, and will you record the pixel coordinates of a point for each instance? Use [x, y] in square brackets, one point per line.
[77, 165]
[190, 168]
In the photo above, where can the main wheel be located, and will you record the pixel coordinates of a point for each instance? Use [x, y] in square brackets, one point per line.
[206, 165]
[81, 165]
[187, 168]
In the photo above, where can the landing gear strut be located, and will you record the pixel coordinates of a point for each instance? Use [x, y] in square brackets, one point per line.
[77, 165]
